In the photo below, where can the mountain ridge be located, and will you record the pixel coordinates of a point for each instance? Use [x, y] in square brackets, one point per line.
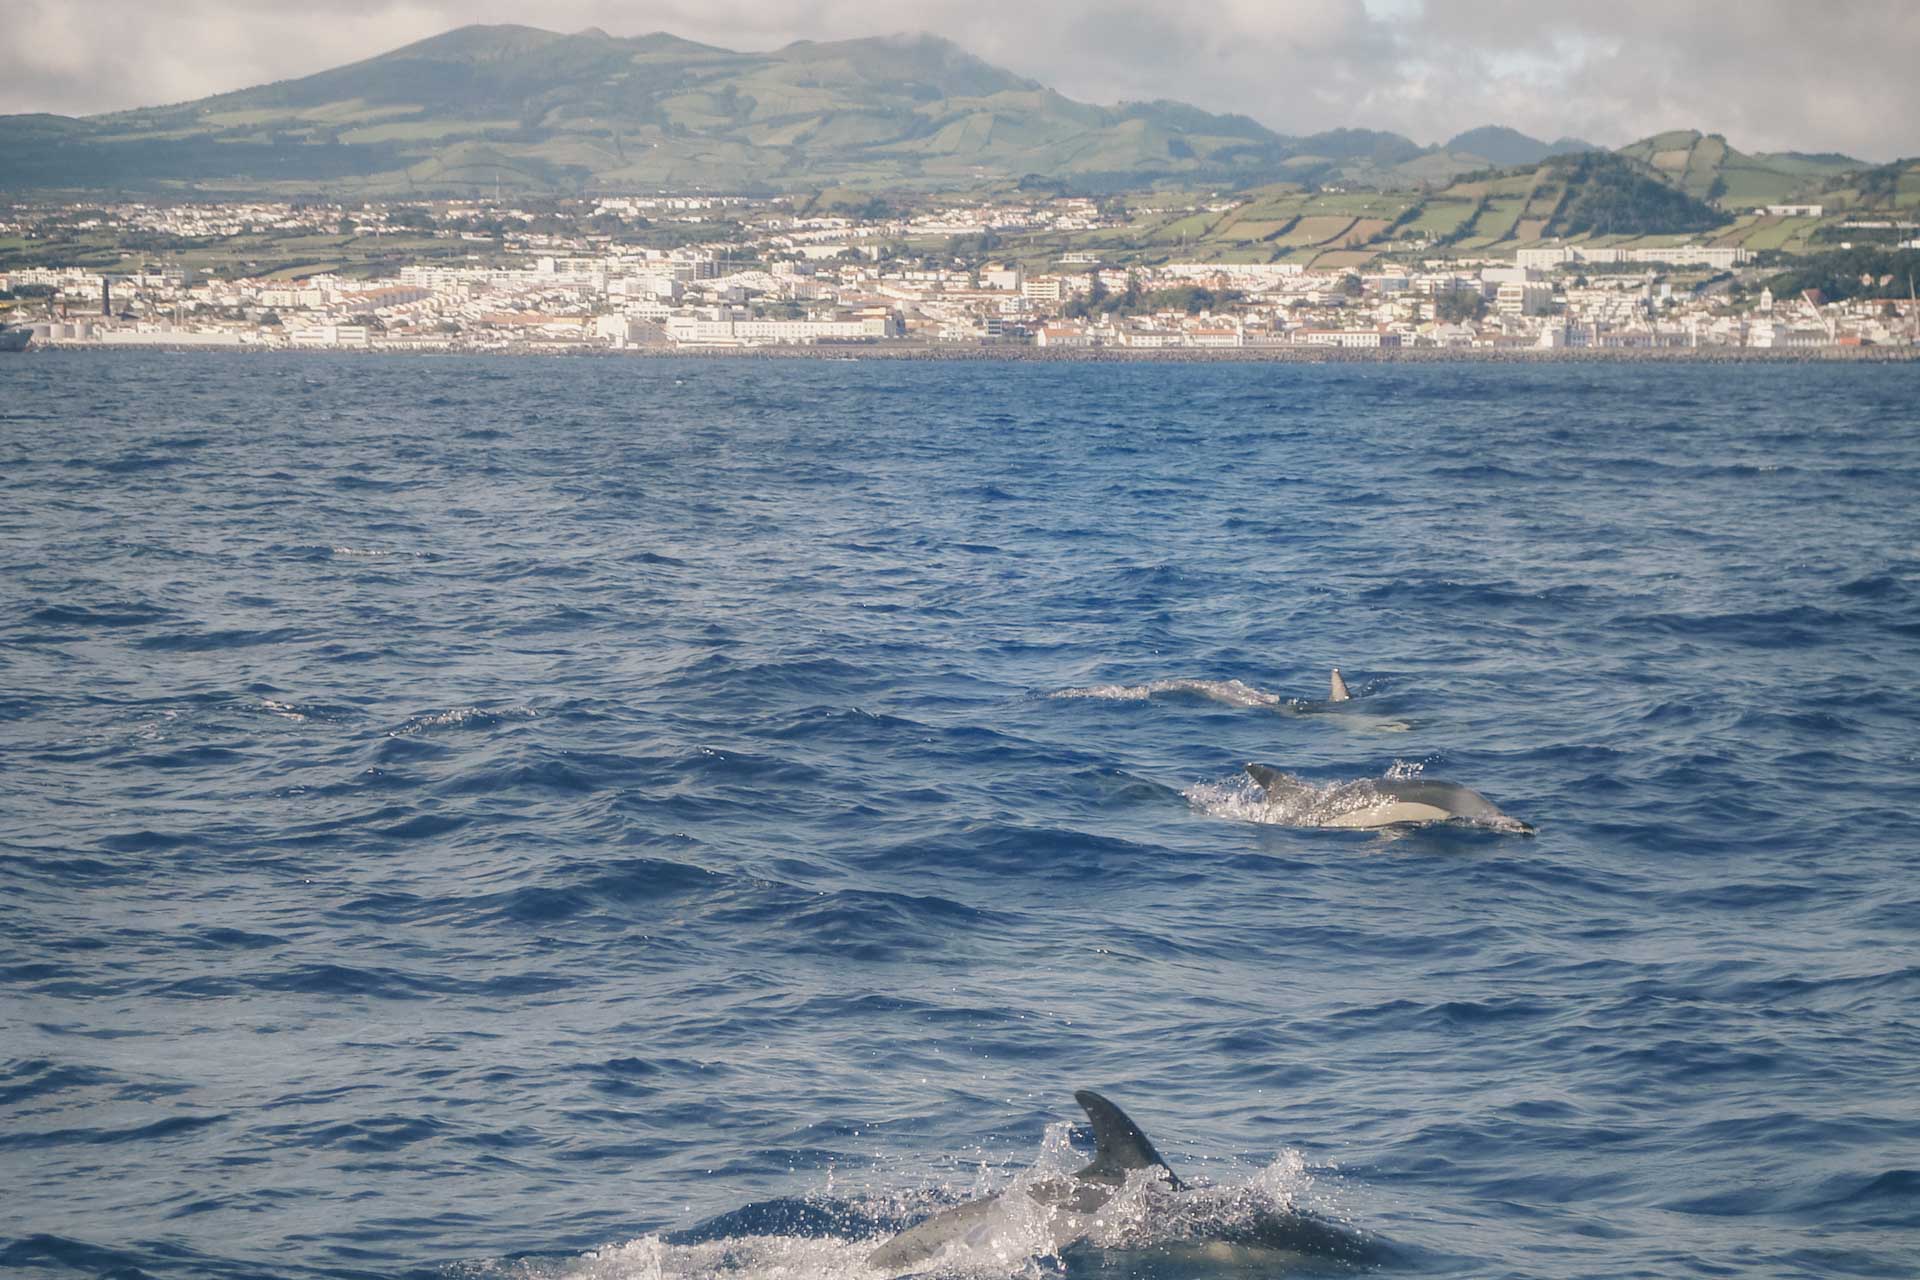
[521, 108]
[1504, 146]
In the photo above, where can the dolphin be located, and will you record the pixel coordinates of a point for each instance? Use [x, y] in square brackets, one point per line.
[1334, 707]
[1119, 1149]
[1237, 693]
[1373, 803]
[1069, 1207]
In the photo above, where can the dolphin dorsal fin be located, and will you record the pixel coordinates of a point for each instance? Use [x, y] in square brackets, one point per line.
[1119, 1146]
[1337, 692]
[1268, 778]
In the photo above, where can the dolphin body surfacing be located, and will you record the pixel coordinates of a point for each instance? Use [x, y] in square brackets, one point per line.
[1119, 1149]
[1069, 1208]
[1374, 803]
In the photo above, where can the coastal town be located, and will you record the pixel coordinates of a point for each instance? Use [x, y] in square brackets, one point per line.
[665, 273]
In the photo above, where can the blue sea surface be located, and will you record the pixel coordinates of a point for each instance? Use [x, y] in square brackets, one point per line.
[672, 818]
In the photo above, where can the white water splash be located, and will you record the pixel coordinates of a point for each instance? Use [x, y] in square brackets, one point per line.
[458, 717]
[1299, 803]
[745, 1258]
[1018, 1239]
[1241, 799]
[1232, 693]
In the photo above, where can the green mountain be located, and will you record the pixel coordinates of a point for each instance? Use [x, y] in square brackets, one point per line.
[524, 110]
[1607, 194]
[534, 110]
[1706, 168]
[1892, 189]
[1502, 146]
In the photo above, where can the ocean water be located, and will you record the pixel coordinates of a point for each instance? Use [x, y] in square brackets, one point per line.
[656, 819]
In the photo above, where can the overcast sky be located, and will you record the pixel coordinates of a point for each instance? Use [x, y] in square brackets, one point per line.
[1812, 75]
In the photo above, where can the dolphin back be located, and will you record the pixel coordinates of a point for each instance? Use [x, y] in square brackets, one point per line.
[1119, 1146]
[1273, 781]
[1463, 802]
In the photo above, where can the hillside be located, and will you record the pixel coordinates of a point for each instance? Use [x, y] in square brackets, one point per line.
[1608, 195]
[1706, 168]
[1888, 188]
[532, 110]
[526, 111]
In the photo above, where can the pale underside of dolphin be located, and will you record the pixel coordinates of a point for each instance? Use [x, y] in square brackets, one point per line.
[1374, 803]
[1070, 1207]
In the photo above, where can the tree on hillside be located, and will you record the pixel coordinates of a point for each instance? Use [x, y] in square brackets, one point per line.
[1192, 299]
[973, 248]
[1877, 186]
[1850, 273]
[1607, 195]
[1458, 306]
[1091, 303]
[1096, 287]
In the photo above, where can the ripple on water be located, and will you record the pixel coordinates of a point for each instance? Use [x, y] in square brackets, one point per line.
[722, 809]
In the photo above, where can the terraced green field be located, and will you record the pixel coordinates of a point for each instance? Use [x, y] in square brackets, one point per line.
[1749, 187]
[1316, 230]
[1499, 220]
[1775, 233]
[1441, 218]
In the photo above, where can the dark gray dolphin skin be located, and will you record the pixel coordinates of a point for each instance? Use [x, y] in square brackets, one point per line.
[1337, 693]
[1372, 803]
[1119, 1149]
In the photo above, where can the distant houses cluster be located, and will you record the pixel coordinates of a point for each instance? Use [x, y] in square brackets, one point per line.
[839, 279]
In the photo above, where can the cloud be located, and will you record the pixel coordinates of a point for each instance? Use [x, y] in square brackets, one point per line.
[1770, 74]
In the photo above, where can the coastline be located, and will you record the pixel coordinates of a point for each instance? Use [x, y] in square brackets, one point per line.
[929, 352]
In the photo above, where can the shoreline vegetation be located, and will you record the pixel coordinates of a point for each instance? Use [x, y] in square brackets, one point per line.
[1008, 353]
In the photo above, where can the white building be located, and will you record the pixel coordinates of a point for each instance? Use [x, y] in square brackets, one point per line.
[730, 331]
[1042, 289]
[1517, 298]
[1347, 338]
[1062, 335]
[1720, 258]
[352, 336]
